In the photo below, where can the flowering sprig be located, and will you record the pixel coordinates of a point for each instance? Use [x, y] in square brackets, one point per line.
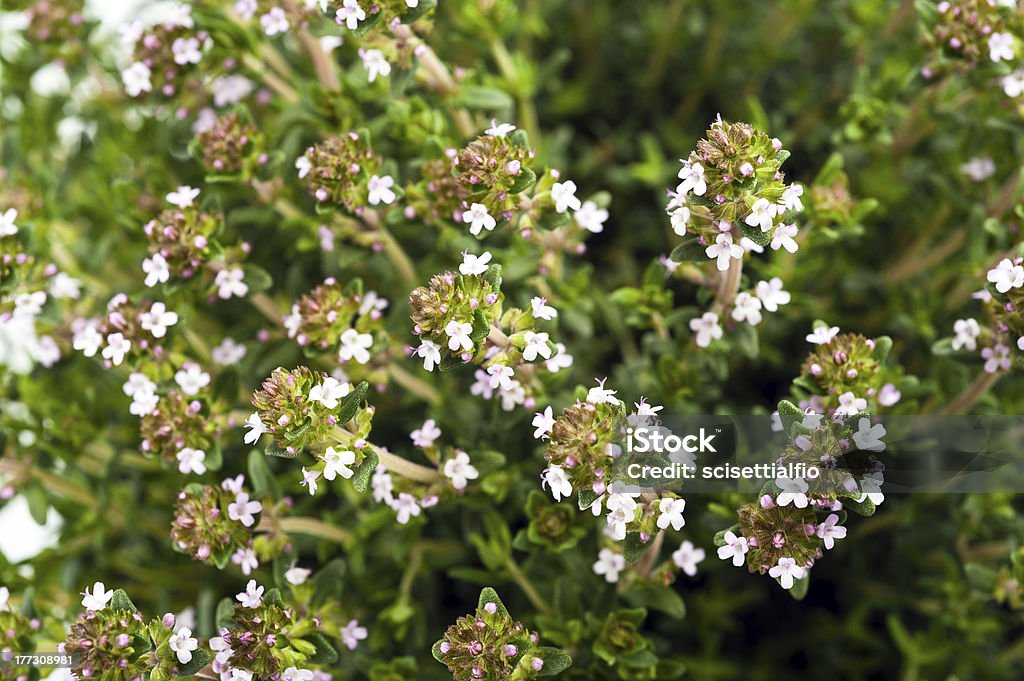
[344, 170]
[491, 646]
[112, 640]
[796, 520]
[216, 525]
[232, 146]
[982, 39]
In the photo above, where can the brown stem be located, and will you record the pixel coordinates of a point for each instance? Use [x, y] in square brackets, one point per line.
[645, 566]
[324, 66]
[974, 392]
[728, 286]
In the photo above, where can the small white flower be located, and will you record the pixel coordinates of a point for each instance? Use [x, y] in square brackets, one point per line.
[191, 461]
[138, 382]
[157, 319]
[7, 226]
[871, 489]
[692, 176]
[64, 286]
[771, 295]
[233, 485]
[156, 269]
[405, 507]
[822, 335]
[536, 344]
[237, 674]
[1013, 84]
[791, 198]
[556, 479]
[610, 564]
[850, 404]
[117, 347]
[541, 309]
[543, 421]
[561, 360]
[180, 15]
[889, 395]
[735, 548]
[274, 22]
[295, 575]
[355, 345]
[228, 352]
[303, 165]
[231, 282]
[352, 634]
[252, 596]
[724, 250]
[458, 335]
[380, 191]
[478, 219]
[762, 214]
[183, 197]
[1006, 275]
[191, 378]
[183, 644]
[460, 471]
[786, 571]
[590, 217]
[966, 334]
[5, 594]
[246, 9]
[296, 674]
[679, 219]
[512, 396]
[671, 511]
[869, 437]
[246, 560]
[829, 531]
[350, 14]
[564, 196]
[747, 309]
[186, 51]
[794, 491]
[783, 238]
[426, 435]
[996, 358]
[87, 340]
[375, 65]
[707, 329]
[29, 304]
[309, 478]
[144, 401]
[256, 429]
[601, 395]
[430, 352]
[329, 392]
[500, 377]
[243, 508]
[337, 463]
[1000, 47]
[979, 169]
[382, 485]
[98, 599]
[687, 556]
[497, 129]
[474, 264]
[136, 79]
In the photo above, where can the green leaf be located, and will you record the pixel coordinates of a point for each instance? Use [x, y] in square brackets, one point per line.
[325, 654]
[800, 587]
[493, 277]
[364, 472]
[225, 614]
[350, 403]
[273, 449]
[38, 503]
[273, 597]
[556, 660]
[688, 251]
[883, 344]
[480, 98]
[257, 278]
[657, 597]
[633, 547]
[327, 583]
[789, 413]
[435, 650]
[489, 595]
[261, 477]
[526, 179]
[120, 601]
[200, 658]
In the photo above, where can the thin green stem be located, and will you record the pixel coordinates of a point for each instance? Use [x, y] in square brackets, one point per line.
[523, 583]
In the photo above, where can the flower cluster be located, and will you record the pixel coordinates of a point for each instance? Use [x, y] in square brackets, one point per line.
[344, 170]
[215, 524]
[850, 371]
[58, 29]
[732, 197]
[491, 171]
[491, 646]
[177, 428]
[231, 145]
[983, 36]
[338, 319]
[454, 313]
[165, 58]
[267, 638]
[797, 519]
